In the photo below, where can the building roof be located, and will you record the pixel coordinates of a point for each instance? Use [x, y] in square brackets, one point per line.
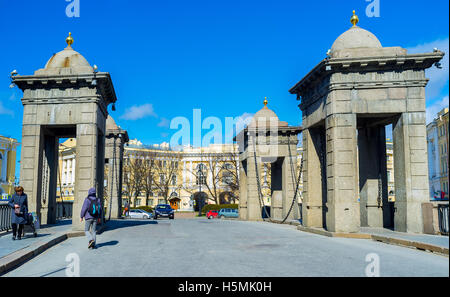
[67, 61]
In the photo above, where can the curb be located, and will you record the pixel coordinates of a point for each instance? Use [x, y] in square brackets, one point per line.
[334, 234]
[413, 244]
[19, 257]
[384, 239]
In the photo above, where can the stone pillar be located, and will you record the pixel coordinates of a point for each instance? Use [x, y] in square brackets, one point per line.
[342, 174]
[114, 182]
[312, 207]
[86, 169]
[411, 171]
[289, 181]
[373, 177]
[243, 190]
[30, 162]
[253, 203]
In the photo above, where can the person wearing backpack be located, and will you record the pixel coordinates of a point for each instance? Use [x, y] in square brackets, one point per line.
[91, 212]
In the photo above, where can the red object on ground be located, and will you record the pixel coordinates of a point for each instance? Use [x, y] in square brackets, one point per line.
[212, 214]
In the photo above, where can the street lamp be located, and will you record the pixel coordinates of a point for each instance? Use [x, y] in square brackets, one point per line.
[200, 198]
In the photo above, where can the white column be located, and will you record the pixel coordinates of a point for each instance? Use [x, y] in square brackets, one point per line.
[64, 166]
[73, 170]
[191, 174]
[184, 173]
[5, 166]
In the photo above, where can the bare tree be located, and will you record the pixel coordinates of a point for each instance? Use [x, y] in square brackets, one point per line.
[230, 173]
[148, 168]
[216, 174]
[165, 174]
[134, 174]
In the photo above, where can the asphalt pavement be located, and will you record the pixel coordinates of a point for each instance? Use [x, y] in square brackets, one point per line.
[226, 248]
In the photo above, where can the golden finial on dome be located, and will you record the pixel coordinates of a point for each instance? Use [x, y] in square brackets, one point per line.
[69, 39]
[265, 101]
[354, 20]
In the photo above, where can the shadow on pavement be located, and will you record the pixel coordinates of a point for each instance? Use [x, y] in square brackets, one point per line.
[63, 222]
[119, 224]
[109, 243]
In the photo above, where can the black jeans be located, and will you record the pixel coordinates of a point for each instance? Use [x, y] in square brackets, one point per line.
[14, 227]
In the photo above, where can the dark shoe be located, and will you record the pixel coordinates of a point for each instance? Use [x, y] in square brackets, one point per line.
[19, 238]
[91, 244]
[14, 238]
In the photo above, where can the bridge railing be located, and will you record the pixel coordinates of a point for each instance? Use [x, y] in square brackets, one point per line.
[5, 217]
[64, 210]
[443, 218]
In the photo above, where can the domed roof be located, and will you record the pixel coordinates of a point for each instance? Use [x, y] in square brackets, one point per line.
[110, 123]
[66, 62]
[267, 117]
[355, 37]
[67, 58]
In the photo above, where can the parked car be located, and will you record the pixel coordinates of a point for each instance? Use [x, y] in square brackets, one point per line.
[140, 214]
[228, 213]
[164, 210]
[212, 214]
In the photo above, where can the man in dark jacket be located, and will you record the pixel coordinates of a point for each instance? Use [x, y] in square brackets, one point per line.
[91, 222]
[19, 204]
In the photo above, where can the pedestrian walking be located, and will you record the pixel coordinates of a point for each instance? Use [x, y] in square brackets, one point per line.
[19, 204]
[91, 212]
[127, 209]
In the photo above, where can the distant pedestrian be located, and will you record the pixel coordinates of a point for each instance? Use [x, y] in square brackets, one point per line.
[19, 204]
[91, 211]
[127, 209]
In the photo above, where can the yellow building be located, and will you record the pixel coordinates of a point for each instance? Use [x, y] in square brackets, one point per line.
[442, 123]
[390, 170]
[157, 174]
[66, 170]
[8, 148]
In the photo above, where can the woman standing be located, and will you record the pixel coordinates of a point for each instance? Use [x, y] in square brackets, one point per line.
[19, 205]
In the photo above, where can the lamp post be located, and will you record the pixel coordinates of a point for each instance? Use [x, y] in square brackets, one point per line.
[200, 198]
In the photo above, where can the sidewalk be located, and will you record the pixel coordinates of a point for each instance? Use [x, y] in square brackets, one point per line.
[432, 243]
[13, 253]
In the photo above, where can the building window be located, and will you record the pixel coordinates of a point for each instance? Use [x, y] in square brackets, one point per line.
[150, 202]
[138, 202]
[161, 201]
[174, 180]
[227, 178]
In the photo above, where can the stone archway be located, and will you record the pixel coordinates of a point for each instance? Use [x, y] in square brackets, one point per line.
[346, 102]
[67, 98]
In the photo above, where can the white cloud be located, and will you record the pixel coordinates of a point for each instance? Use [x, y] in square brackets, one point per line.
[438, 77]
[4, 110]
[137, 112]
[435, 108]
[164, 123]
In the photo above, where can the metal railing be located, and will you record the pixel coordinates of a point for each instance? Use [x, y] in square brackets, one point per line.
[64, 210]
[443, 218]
[5, 217]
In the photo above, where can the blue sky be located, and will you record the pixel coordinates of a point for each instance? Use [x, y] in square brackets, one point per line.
[169, 57]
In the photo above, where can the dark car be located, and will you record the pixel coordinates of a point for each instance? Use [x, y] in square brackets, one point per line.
[164, 211]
